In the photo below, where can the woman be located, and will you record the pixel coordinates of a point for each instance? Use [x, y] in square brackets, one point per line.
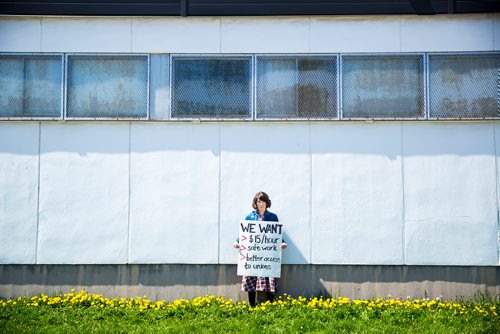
[252, 284]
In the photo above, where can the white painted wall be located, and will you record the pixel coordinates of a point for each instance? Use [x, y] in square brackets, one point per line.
[348, 193]
[449, 194]
[497, 163]
[314, 34]
[18, 192]
[174, 192]
[357, 194]
[84, 193]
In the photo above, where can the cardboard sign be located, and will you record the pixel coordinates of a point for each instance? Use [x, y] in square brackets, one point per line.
[260, 248]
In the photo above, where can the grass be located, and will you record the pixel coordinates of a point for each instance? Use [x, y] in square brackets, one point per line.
[91, 313]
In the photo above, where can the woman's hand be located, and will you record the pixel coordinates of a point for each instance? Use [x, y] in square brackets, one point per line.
[284, 245]
[236, 245]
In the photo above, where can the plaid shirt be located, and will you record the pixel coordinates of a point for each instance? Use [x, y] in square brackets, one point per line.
[253, 283]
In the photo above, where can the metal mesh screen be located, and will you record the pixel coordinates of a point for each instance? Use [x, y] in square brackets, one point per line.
[107, 86]
[211, 87]
[30, 86]
[383, 86]
[464, 86]
[297, 87]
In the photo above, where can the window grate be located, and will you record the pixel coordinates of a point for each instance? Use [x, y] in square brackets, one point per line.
[30, 86]
[297, 87]
[211, 87]
[464, 85]
[107, 86]
[383, 86]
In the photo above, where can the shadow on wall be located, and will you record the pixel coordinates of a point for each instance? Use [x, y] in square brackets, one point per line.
[381, 138]
[372, 281]
[292, 254]
[164, 281]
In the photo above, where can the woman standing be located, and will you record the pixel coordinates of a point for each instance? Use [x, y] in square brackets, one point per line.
[252, 284]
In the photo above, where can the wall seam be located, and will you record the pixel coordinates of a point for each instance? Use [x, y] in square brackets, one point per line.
[493, 30]
[129, 192]
[220, 39]
[496, 192]
[400, 33]
[309, 33]
[41, 34]
[38, 193]
[403, 206]
[131, 34]
[219, 195]
[310, 198]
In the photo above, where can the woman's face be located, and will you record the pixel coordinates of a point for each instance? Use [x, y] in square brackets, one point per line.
[261, 205]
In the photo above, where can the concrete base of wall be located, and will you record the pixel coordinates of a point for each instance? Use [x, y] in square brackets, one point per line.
[173, 281]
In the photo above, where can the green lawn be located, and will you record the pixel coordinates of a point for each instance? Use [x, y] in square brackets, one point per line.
[85, 313]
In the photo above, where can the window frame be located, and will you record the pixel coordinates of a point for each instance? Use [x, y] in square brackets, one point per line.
[253, 59]
[214, 56]
[382, 54]
[428, 86]
[62, 88]
[298, 55]
[148, 82]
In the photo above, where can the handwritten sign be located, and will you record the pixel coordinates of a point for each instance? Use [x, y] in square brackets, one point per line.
[260, 248]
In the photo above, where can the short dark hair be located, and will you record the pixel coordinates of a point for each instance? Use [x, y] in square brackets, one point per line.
[263, 197]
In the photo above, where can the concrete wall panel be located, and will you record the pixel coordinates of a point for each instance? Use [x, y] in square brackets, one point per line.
[174, 281]
[176, 35]
[468, 32]
[174, 193]
[271, 158]
[86, 35]
[355, 34]
[496, 32]
[497, 157]
[159, 87]
[357, 194]
[449, 194]
[84, 191]
[18, 192]
[259, 35]
[20, 34]
[447, 33]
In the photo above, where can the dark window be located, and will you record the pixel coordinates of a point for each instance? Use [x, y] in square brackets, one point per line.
[211, 87]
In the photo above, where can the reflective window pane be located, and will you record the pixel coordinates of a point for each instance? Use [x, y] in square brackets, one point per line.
[383, 86]
[107, 86]
[464, 85]
[297, 87]
[30, 86]
[211, 87]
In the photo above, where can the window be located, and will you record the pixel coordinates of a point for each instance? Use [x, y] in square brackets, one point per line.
[464, 85]
[44, 86]
[383, 86]
[211, 87]
[30, 86]
[296, 87]
[107, 86]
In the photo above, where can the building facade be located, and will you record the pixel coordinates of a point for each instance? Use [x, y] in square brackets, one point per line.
[131, 146]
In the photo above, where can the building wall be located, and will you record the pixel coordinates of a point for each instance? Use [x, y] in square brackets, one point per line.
[349, 193]
[314, 34]
[381, 193]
